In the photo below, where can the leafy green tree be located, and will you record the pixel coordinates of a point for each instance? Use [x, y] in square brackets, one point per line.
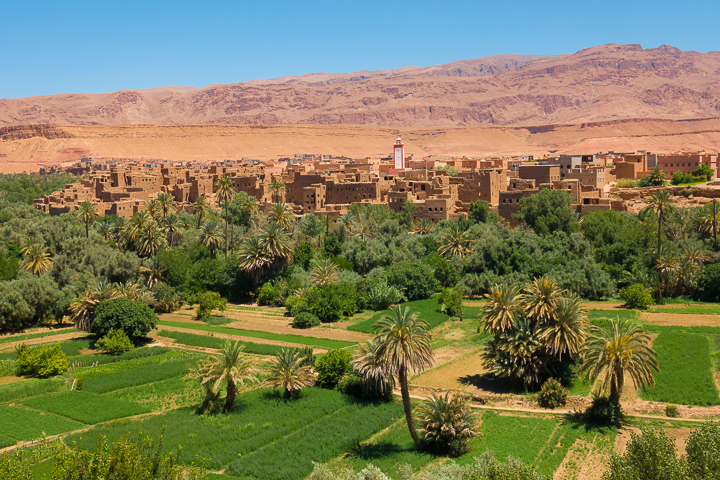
[405, 217]
[708, 288]
[479, 211]
[704, 170]
[45, 361]
[451, 302]
[135, 318]
[311, 225]
[331, 303]
[209, 301]
[303, 254]
[548, 211]
[636, 296]
[414, 279]
[404, 348]
[650, 456]
[230, 366]
[703, 452]
[331, 367]
[623, 347]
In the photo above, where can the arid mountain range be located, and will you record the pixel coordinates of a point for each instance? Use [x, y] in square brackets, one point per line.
[596, 84]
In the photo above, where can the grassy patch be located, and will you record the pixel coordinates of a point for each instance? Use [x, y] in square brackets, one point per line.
[105, 358]
[265, 436]
[6, 441]
[31, 388]
[214, 342]
[136, 376]
[299, 339]
[72, 348]
[429, 310]
[22, 424]
[163, 395]
[86, 407]
[132, 363]
[597, 316]
[685, 375]
[215, 320]
[29, 336]
[690, 309]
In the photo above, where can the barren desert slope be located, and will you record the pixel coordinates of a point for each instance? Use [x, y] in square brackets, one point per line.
[29, 147]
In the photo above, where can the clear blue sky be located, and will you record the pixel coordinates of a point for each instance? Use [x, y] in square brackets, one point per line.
[50, 47]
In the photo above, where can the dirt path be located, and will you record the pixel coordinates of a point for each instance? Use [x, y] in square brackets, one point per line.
[240, 337]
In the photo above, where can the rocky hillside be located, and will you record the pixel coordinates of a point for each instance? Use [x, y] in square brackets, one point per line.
[603, 83]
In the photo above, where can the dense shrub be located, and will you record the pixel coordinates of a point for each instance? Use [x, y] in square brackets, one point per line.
[552, 394]
[167, 298]
[451, 302]
[603, 411]
[305, 320]
[479, 211]
[636, 296]
[703, 451]
[672, 411]
[414, 279]
[548, 211]
[445, 272]
[269, 294]
[380, 295]
[331, 303]
[351, 385]
[42, 361]
[115, 342]
[708, 289]
[331, 367]
[134, 318]
[295, 305]
[209, 301]
[304, 254]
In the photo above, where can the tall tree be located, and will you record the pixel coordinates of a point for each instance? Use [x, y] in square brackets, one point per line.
[564, 332]
[503, 305]
[456, 241]
[623, 347]
[282, 215]
[166, 205]
[87, 214]
[211, 236]
[224, 190]
[201, 209]
[37, 259]
[324, 272]
[231, 366]
[660, 202]
[404, 348]
[150, 239]
[706, 221]
[277, 186]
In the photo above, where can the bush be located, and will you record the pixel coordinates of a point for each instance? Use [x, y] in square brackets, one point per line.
[167, 299]
[115, 342]
[448, 423]
[305, 320]
[626, 183]
[269, 294]
[295, 305]
[636, 296]
[451, 301]
[414, 279]
[603, 411]
[351, 385]
[445, 272]
[134, 318]
[552, 394]
[703, 451]
[708, 289]
[42, 362]
[672, 411]
[704, 170]
[380, 296]
[331, 367]
[330, 303]
[209, 301]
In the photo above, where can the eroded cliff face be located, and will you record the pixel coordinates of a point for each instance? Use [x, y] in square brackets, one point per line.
[22, 132]
[593, 85]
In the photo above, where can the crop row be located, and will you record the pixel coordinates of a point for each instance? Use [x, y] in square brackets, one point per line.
[85, 407]
[215, 342]
[428, 309]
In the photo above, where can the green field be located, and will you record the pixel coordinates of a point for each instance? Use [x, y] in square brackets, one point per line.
[86, 407]
[290, 338]
[137, 376]
[215, 342]
[21, 424]
[685, 375]
[29, 336]
[690, 309]
[429, 310]
[265, 436]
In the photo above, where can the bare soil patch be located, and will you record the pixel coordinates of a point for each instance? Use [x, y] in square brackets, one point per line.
[602, 305]
[681, 319]
[583, 461]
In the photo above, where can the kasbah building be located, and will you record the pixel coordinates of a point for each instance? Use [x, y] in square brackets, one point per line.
[328, 186]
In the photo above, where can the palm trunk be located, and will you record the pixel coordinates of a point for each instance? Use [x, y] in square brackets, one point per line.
[659, 229]
[408, 408]
[87, 230]
[226, 225]
[230, 398]
[616, 386]
[715, 223]
[232, 234]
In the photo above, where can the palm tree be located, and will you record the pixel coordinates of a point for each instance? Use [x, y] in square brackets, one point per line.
[228, 365]
[424, 226]
[447, 420]
[106, 229]
[324, 272]
[363, 229]
[541, 298]
[152, 208]
[660, 202]
[150, 239]
[275, 242]
[276, 186]
[82, 307]
[166, 205]
[347, 219]
[282, 215]
[252, 257]
[565, 332]
[706, 221]
[504, 304]
[404, 347]
[131, 228]
[611, 353]
[154, 271]
[225, 191]
[656, 176]
[173, 229]
[287, 371]
[201, 209]
[211, 236]
[456, 241]
[666, 264]
[87, 214]
[370, 367]
[37, 259]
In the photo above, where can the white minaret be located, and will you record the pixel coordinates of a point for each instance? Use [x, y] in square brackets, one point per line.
[399, 154]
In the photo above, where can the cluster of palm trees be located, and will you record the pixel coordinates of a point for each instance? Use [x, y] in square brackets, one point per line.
[82, 307]
[532, 330]
[536, 328]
